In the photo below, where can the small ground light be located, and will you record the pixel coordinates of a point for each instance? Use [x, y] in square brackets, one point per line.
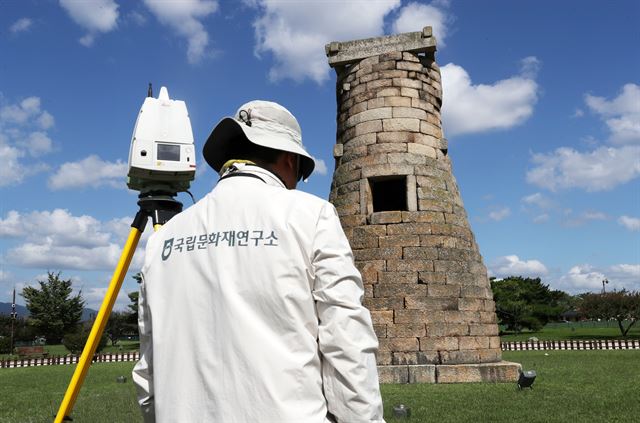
[121, 379]
[526, 379]
[401, 411]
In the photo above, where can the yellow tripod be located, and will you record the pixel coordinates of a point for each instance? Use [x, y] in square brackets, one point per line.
[160, 208]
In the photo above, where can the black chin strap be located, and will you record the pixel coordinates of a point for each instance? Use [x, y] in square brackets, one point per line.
[232, 174]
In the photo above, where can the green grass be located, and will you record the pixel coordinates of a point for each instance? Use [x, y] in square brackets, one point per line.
[572, 386]
[583, 331]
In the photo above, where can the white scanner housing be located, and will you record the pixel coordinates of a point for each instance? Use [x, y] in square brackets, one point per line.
[162, 156]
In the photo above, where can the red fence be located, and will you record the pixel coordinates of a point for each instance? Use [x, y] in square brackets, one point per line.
[618, 344]
[69, 359]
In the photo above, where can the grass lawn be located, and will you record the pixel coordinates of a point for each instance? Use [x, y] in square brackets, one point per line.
[122, 346]
[572, 386]
[576, 331]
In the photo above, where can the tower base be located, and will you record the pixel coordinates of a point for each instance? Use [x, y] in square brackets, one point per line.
[502, 371]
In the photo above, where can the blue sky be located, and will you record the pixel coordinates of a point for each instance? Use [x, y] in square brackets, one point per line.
[541, 110]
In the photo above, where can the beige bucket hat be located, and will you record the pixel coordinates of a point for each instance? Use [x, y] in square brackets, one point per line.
[264, 123]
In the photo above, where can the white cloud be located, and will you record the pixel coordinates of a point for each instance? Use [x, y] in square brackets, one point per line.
[583, 218]
[295, 33]
[59, 240]
[21, 25]
[539, 200]
[585, 277]
[321, 167]
[631, 223]
[23, 135]
[4, 276]
[511, 265]
[415, 16]
[622, 114]
[96, 16]
[541, 218]
[599, 170]
[91, 171]
[469, 108]
[500, 214]
[184, 18]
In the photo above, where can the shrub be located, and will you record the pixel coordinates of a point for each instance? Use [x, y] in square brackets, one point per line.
[5, 345]
[75, 342]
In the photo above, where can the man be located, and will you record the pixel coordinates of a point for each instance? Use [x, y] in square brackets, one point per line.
[250, 304]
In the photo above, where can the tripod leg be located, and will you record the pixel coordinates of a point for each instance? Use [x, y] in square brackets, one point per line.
[98, 326]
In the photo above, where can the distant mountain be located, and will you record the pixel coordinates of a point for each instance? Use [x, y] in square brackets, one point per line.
[5, 308]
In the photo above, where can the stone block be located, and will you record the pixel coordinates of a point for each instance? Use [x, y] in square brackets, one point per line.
[447, 329]
[427, 303]
[487, 317]
[450, 266]
[393, 137]
[379, 230]
[404, 102]
[447, 343]
[338, 150]
[379, 83]
[430, 129]
[374, 103]
[381, 317]
[422, 104]
[400, 124]
[386, 170]
[384, 358]
[422, 217]
[475, 292]
[453, 254]
[357, 108]
[455, 219]
[344, 175]
[407, 82]
[386, 65]
[462, 317]
[393, 374]
[441, 241]
[353, 221]
[434, 205]
[489, 305]
[385, 217]
[409, 66]
[483, 330]
[368, 290]
[503, 371]
[409, 92]
[378, 253]
[439, 291]
[460, 357]
[369, 270]
[421, 149]
[387, 148]
[423, 373]
[398, 344]
[400, 241]
[379, 304]
[419, 253]
[474, 342]
[412, 199]
[406, 158]
[494, 342]
[380, 331]
[369, 115]
[431, 277]
[408, 112]
[406, 330]
[398, 290]
[470, 304]
[388, 92]
[398, 277]
[418, 316]
[361, 140]
[490, 355]
[409, 265]
[368, 127]
[409, 229]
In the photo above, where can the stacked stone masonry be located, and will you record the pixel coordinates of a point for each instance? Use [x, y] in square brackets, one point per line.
[425, 282]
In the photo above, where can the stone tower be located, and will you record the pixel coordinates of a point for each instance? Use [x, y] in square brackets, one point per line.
[425, 283]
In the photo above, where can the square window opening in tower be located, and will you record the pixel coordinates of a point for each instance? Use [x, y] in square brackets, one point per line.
[389, 193]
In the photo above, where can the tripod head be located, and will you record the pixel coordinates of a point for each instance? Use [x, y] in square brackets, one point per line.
[160, 206]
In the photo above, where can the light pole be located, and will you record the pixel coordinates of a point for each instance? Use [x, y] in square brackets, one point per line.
[14, 315]
[604, 281]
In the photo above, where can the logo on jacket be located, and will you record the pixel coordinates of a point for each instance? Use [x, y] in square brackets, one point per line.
[244, 238]
[167, 248]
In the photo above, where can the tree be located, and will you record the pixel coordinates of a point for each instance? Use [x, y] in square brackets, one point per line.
[53, 311]
[117, 325]
[620, 305]
[527, 303]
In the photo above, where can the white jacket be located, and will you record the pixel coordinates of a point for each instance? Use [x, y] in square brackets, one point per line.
[250, 311]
